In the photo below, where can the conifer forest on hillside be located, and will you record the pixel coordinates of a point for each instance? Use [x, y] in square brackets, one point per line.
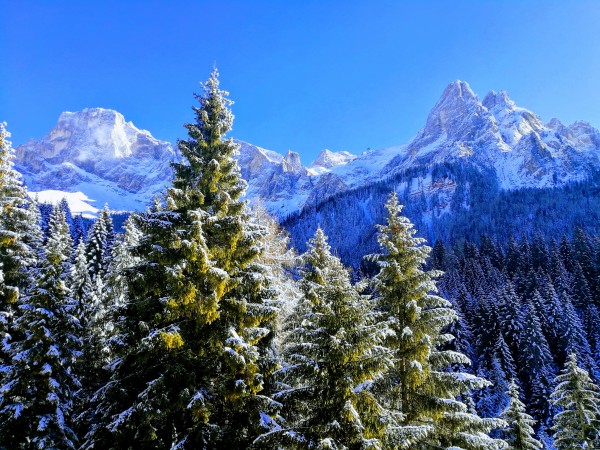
[196, 325]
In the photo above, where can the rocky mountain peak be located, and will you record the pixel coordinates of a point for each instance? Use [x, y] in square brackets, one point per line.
[555, 125]
[328, 159]
[457, 105]
[96, 151]
[97, 147]
[291, 163]
[457, 91]
[498, 100]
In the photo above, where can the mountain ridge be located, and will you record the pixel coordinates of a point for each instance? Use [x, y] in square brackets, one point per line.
[97, 152]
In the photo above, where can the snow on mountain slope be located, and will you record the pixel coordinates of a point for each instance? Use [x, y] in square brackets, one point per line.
[496, 133]
[493, 133]
[328, 159]
[79, 203]
[96, 152]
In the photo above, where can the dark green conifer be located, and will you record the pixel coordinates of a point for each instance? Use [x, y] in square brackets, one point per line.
[332, 355]
[519, 434]
[577, 425]
[419, 388]
[36, 399]
[188, 370]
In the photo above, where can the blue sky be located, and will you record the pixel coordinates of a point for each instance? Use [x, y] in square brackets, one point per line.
[304, 75]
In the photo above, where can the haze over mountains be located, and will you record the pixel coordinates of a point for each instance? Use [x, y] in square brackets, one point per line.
[96, 152]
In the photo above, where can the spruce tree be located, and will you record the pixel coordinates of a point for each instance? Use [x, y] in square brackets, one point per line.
[493, 399]
[188, 370]
[121, 260]
[99, 245]
[19, 236]
[537, 366]
[36, 399]
[419, 388]
[577, 426]
[332, 355]
[80, 281]
[519, 434]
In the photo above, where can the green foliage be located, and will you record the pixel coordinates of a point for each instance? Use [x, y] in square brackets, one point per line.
[418, 388]
[332, 354]
[519, 434]
[36, 399]
[577, 426]
[18, 235]
[190, 334]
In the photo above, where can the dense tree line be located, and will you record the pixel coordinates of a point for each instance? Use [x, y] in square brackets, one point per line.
[450, 202]
[197, 327]
[524, 310]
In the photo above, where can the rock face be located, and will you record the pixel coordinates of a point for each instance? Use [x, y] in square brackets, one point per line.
[95, 151]
[496, 133]
[491, 134]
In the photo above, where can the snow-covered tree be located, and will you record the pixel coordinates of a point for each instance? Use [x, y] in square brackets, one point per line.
[519, 434]
[419, 388]
[188, 370]
[332, 355]
[536, 366]
[577, 425]
[121, 260]
[100, 243]
[36, 398]
[278, 258]
[19, 236]
[493, 399]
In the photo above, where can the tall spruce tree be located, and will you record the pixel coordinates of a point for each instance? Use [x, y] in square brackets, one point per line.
[36, 399]
[537, 366]
[577, 426]
[332, 355]
[188, 370]
[19, 236]
[419, 387]
[519, 434]
[100, 243]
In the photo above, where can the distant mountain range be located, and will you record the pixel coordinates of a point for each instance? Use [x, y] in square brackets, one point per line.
[96, 152]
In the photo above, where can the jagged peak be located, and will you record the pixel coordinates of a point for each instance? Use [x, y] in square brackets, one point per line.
[580, 124]
[457, 91]
[581, 127]
[457, 105]
[555, 124]
[498, 99]
[89, 113]
[328, 158]
[291, 162]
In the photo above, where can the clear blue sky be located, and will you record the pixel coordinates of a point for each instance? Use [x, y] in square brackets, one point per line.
[304, 75]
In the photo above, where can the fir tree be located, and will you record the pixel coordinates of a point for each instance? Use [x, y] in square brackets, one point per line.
[332, 355]
[19, 236]
[121, 260]
[493, 399]
[577, 426]
[418, 388]
[510, 317]
[519, 433]
[99, 245]
[36, 400]
[537, 366]
[188, 370]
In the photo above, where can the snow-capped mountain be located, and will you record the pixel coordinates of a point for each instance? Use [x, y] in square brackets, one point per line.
[98, 153]
[497, 133]
[494, 133]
